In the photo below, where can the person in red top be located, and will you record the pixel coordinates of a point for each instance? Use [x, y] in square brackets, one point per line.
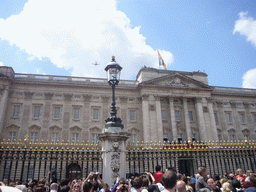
[240, 175]
[158, 174]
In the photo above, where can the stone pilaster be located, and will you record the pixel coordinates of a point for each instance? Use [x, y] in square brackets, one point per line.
[173, 121]
[4, 93]
[214, 133]
[159, 127]
[187, 121]
[200, 119]
[145, 119]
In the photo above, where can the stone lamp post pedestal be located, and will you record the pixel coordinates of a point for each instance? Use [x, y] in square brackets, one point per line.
[113, 155]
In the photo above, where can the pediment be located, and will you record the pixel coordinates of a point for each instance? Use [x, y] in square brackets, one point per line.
[76, 128]
[177, 80]
[96, 130]
[13, 126]
[55, 128]
[133, 130]
[34, 127]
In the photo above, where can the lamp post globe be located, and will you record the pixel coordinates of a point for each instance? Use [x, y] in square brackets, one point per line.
[113, 123]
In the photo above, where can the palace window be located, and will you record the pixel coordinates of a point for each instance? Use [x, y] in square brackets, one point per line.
[95, 114]
[228, 117]
[132, 115]
[37, 111]
[242, 118]
[216, 118]
[163, 115]
[16, 111]
[56, 113]
[232, 137]
[179, 138]
[219, 137]
[95, 138]
[34, 136]
[254, 117]
[55, 137]
[133, 138]
[75, 137]
[193, 137]
[76, 113]
[190, 115]
[12, 136]
[177, 115]
[165, 137]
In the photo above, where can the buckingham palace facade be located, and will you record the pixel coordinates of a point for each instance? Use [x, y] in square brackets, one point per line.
[160, 105]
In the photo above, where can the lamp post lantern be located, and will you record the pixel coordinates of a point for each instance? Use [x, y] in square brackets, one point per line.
[113, 123]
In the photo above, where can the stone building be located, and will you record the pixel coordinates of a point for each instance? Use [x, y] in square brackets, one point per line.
[159, 105]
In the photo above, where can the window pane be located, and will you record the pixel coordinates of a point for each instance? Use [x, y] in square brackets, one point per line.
[177, 115]
[37, 112]
[228, 116]
[95, 138]
[12, 136]
[33, 136]
[133, 138]
[75, 137]
[164, 116]
[242, 118]
[132, 115]
[55, 137]
[56, 112]
[190, 114]
[76, 113]
[95, 114]
[16, 111]
[216, 118]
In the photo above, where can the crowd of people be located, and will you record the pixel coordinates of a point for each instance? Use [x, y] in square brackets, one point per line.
[167, 181]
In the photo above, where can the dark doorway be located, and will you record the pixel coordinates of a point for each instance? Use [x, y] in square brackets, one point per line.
[74, 171]
[186, 167]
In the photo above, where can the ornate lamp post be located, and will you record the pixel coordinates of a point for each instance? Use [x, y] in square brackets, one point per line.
[113, 123]
[113, 139]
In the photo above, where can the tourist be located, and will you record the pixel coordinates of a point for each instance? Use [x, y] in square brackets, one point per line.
[158, 174]
[212, 184]
[169, 180]
[54, 187]
[235, 186]
[181, 186]
[240, 176]
[201, 180]
[137, 184]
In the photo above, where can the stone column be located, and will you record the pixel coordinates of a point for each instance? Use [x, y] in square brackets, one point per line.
[159, 128]
[200, 119]
[113, 155]
[4, 92]
[214, 132]
[145, 119]
[173, 121]
[187, 121]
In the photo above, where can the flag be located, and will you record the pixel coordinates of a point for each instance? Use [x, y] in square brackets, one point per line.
[161, 61]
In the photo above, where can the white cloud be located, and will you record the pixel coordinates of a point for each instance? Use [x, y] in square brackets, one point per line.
[1, 63]
[249, 79]
[73, 35]
[246, 26]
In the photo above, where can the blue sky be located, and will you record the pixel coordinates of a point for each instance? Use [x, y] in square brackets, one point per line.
[58, 37]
